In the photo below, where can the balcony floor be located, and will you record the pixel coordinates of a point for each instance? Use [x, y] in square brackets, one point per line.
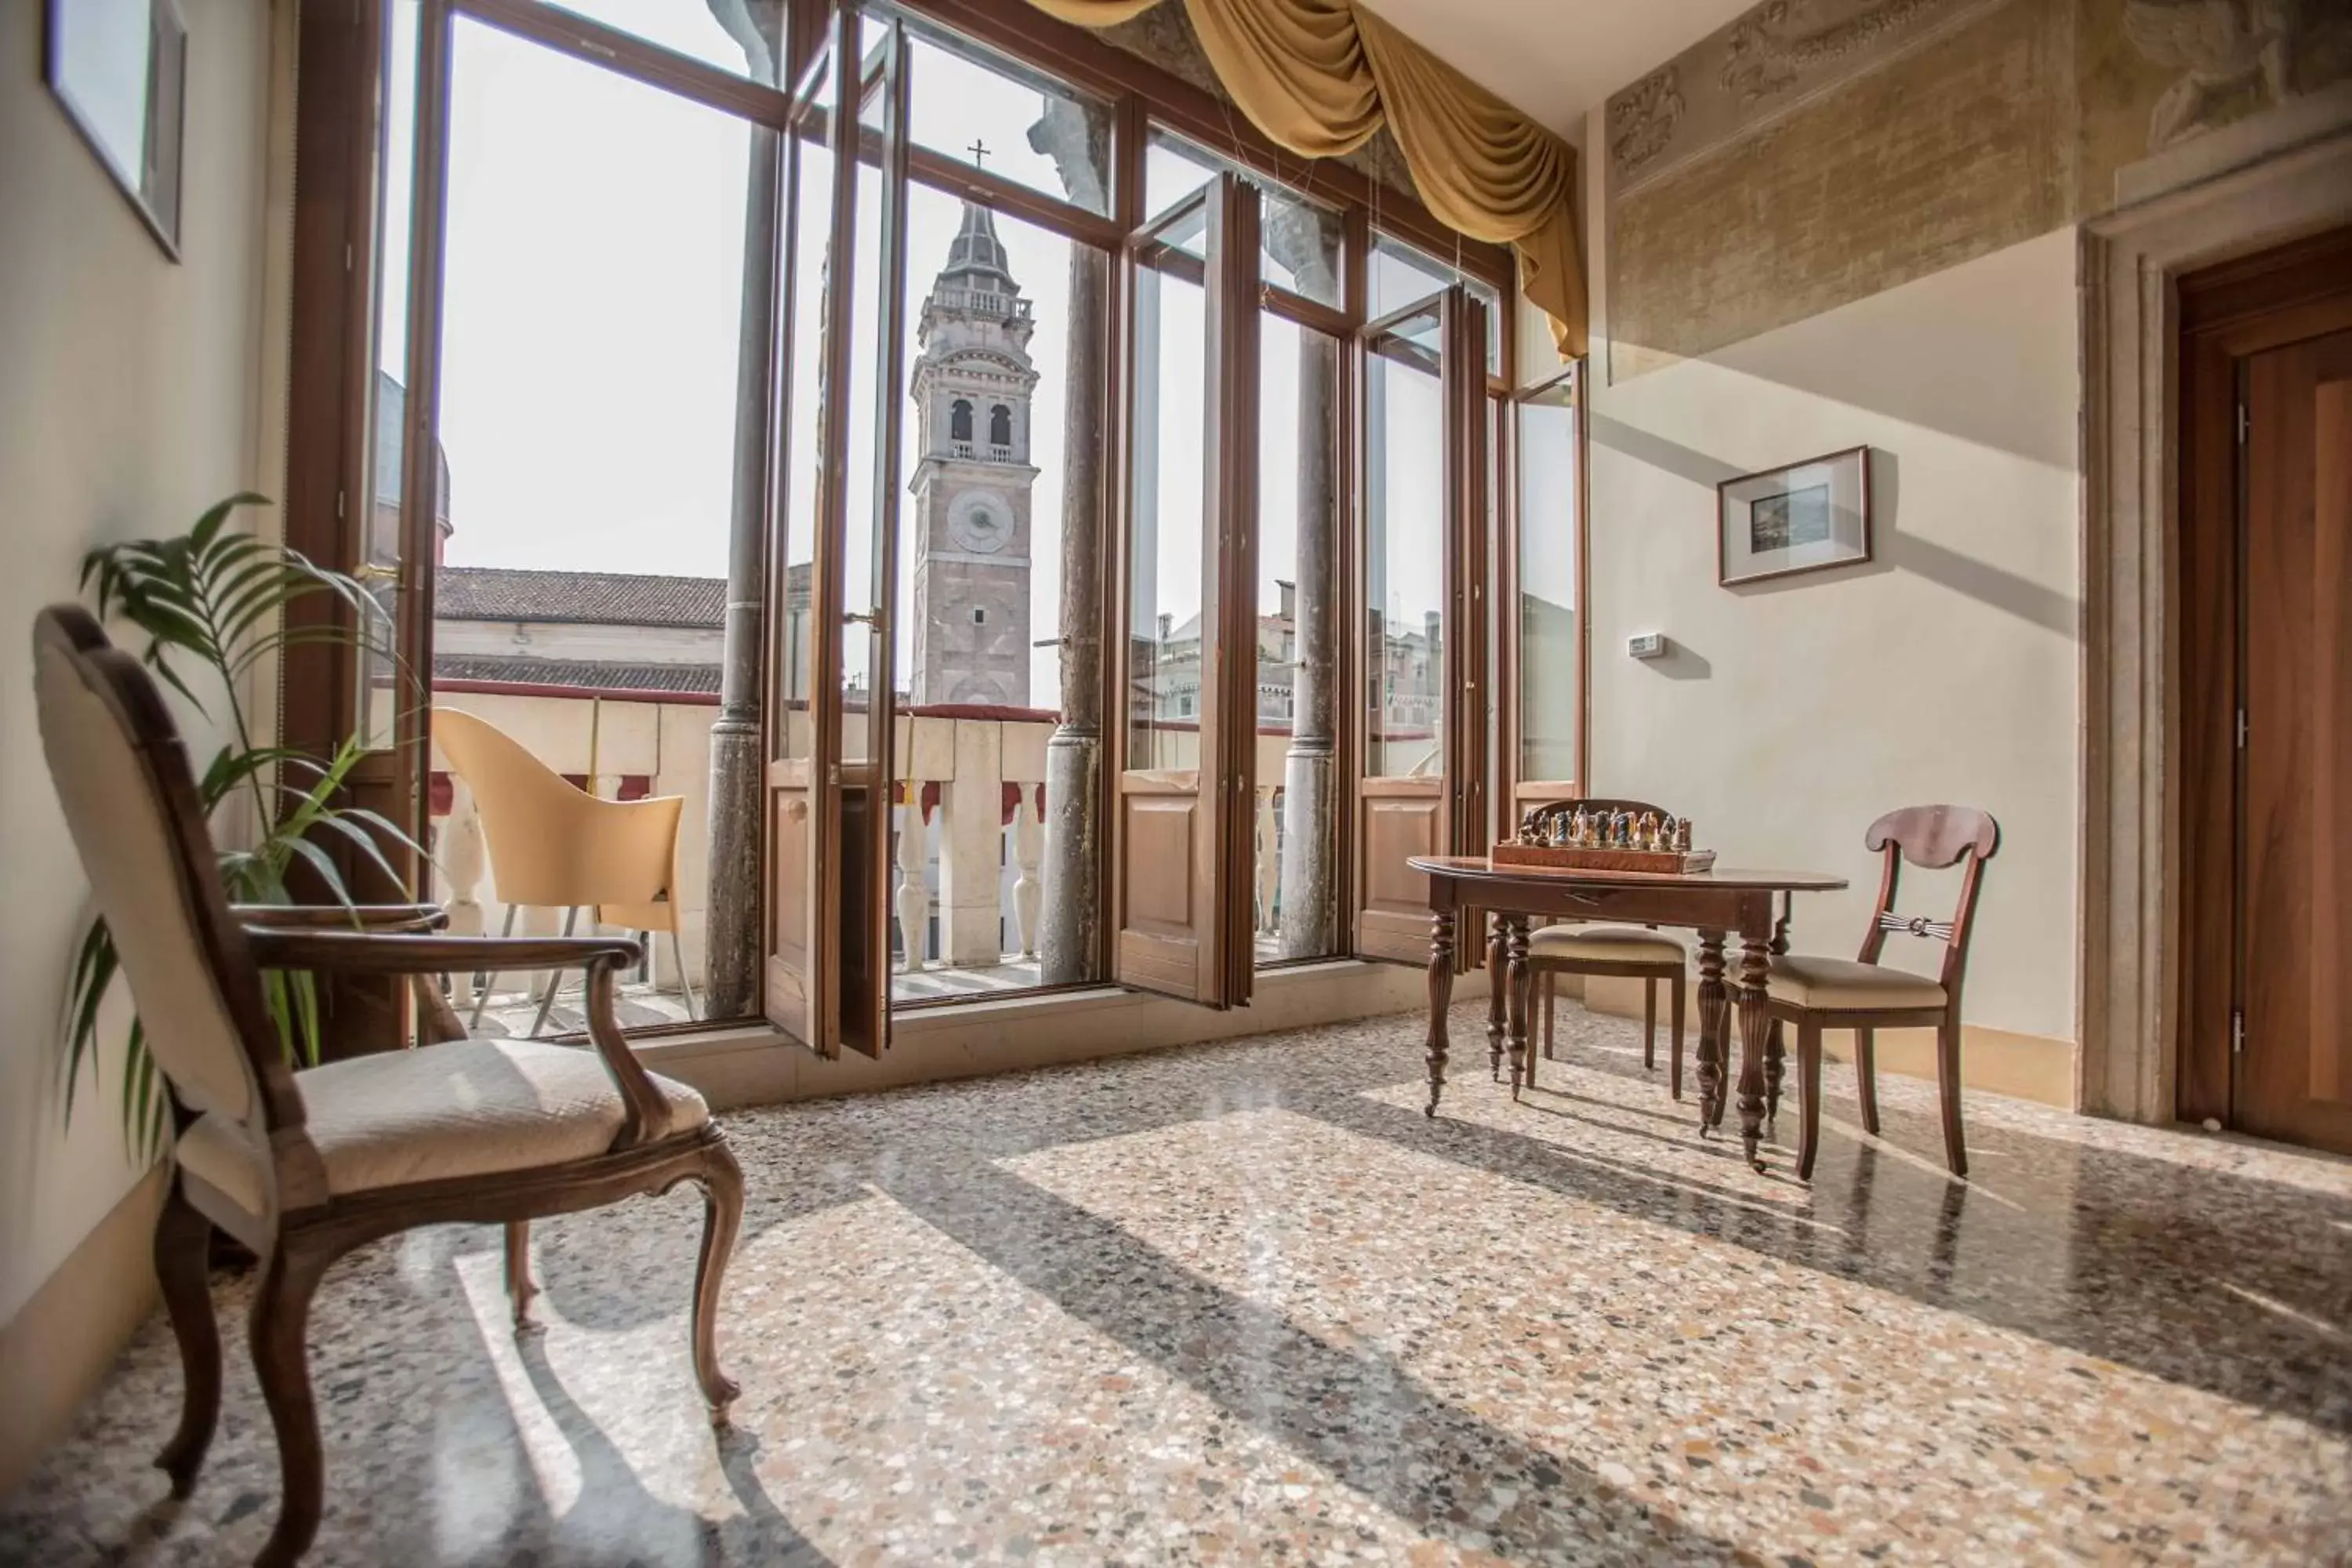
[641, 1006]
[1241, 1302]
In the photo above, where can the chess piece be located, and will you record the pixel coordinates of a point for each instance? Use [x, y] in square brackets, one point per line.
[1666, 832]
[1646, 834]
[1530, 827]
[1621, 830]
[1577, 828]
[1682, 836]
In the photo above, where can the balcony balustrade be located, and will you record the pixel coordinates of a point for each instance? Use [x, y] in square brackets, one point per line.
[969, 887]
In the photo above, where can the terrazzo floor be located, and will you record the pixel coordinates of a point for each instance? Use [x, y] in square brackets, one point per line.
[1242, 1303]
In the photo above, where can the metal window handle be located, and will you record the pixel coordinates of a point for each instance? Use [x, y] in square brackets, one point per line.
[868, 618]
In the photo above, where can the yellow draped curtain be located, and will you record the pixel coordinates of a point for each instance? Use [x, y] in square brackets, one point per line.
[1319, 77]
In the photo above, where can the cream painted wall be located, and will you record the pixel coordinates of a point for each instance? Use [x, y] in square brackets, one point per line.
[127, 395]
[1790, 715]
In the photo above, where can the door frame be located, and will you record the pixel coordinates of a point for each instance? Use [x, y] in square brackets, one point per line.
[2128, 1024]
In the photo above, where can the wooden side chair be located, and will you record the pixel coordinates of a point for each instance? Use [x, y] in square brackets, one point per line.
[304, 1166]
[1632, 952]
[1864, 996]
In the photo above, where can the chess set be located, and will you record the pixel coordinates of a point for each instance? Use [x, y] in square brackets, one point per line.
[1605, 841]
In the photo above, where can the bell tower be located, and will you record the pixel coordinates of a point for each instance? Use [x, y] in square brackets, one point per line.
[971, 385]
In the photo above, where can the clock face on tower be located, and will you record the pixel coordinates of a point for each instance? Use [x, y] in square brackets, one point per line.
[980, 521]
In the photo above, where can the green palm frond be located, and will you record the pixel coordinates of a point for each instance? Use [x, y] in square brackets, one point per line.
[212, 604]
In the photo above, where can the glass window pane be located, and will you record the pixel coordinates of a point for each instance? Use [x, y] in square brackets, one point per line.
[379, 696]
[1549, 679]
[1166, 542]
[1013, 122]
[1173, 170]
[992, 305]
[812, 219]
[581, 604]
[1404, 561]
[861, 533]
[1301, 237]
[748, 41]
[1397, 275]
[1297, 482]
[1301, 240]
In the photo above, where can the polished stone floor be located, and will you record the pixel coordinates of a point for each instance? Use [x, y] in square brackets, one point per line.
[1242, 1303]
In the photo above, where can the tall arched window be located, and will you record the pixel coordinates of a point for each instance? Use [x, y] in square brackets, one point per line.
[1000, 426]
[960, 420]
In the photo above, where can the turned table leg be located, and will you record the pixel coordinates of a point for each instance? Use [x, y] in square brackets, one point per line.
[1714, 1009]
[1440, 993]
[1522, 981]
[1497, 1002]
[1755, 1026]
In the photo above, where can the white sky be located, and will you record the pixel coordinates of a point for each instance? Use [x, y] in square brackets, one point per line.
[591, 302]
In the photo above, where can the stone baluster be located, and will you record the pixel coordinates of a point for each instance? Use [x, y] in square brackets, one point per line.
[1269, 862]
[463, 862]
[1028, 848]
[913, 897]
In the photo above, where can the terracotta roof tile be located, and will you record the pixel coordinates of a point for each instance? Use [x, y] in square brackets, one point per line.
[587, 674]
[578, 598]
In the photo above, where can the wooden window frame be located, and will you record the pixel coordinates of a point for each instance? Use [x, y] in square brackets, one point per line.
[338, 226]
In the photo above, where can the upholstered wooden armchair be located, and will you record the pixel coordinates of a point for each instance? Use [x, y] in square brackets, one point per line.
[304, 1166]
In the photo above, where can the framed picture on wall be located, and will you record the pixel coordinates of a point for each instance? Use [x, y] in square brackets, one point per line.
[1806, 517]
[120, 70]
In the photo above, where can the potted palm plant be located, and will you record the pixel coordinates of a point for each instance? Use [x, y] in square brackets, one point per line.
[212, 605]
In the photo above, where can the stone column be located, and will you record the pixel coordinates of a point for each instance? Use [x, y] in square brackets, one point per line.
[1309, 853]
[1070, 933]
[731, 926]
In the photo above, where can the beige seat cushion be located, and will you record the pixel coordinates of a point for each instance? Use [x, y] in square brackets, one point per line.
[1842, 983]
[1603, 944]
[469, 1107]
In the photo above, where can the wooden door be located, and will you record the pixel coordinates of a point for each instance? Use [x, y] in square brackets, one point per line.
[1185, 743]
[876, 399]
[2295, 925]
[801, 990]
[1421, 662]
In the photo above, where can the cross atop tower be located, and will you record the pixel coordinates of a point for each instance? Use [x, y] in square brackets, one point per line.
[979, 151]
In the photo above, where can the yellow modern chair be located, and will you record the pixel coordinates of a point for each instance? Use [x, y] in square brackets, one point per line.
[554, 846]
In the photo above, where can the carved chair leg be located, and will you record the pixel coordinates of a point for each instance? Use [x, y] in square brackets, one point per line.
[183, 1249]
[1947, 1087]
[1809, 1084]
[1865, 1077]
[722, 1215]
[1776, 1064]
[1649, 1025]
[520, 1288]
[281, 1311]
[1551, 998]
[1675, 1056]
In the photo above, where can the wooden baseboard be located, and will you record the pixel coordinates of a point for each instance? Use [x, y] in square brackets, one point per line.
[62, 1342]
[1994, 1061]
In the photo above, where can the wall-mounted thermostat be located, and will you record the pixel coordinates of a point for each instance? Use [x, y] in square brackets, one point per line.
[1649, 644]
